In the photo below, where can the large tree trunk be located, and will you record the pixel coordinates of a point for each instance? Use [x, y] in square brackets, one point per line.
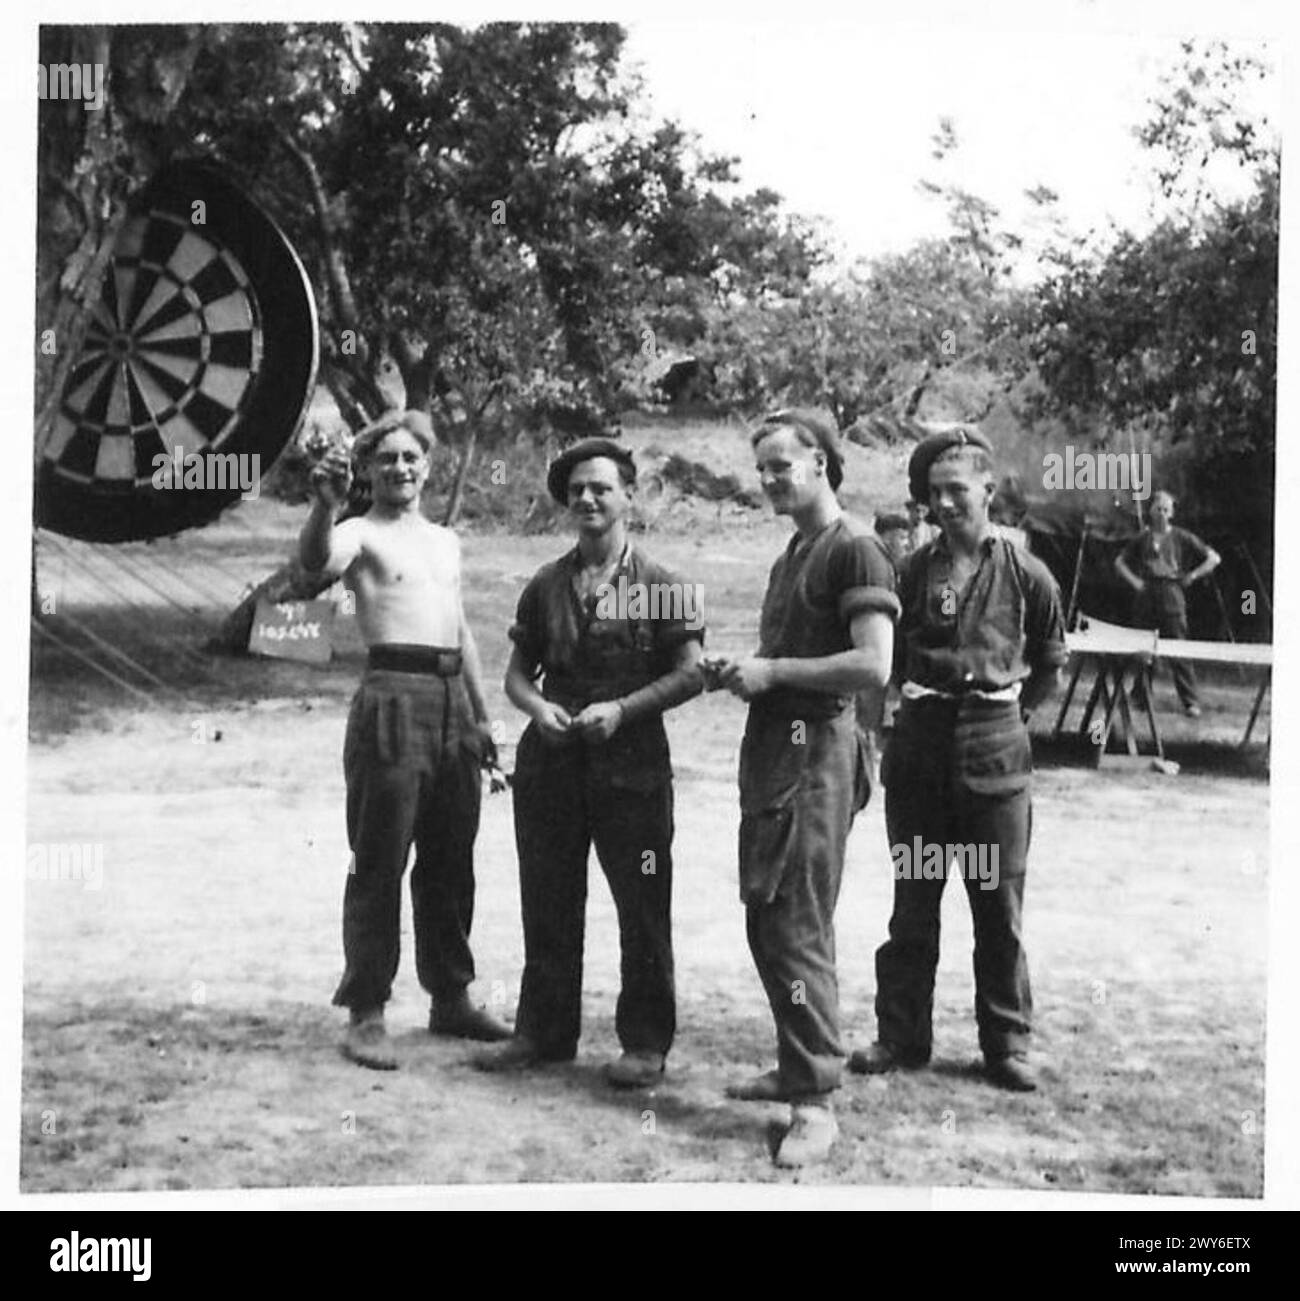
[417, 370]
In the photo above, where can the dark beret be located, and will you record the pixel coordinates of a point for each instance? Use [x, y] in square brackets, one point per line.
[933, 446]
[820, 424]
[557, 476]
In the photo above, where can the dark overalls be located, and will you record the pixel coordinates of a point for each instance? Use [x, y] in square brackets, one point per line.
[803, 777]
[572, 793]
[957, 771]
[411, 758]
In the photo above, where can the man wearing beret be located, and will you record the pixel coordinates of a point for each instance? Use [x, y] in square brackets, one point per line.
[825, 634]
[895, 534]
[605, 641]
[981, 641]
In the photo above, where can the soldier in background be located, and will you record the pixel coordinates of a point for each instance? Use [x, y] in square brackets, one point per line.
[1160, 564]
[895, 534]
[921, 529]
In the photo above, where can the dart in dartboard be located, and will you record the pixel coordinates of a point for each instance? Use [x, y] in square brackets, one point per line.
[198, 361]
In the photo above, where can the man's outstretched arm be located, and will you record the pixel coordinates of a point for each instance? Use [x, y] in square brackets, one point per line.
[323, 546]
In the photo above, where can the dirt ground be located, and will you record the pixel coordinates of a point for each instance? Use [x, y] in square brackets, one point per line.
[178, 1032]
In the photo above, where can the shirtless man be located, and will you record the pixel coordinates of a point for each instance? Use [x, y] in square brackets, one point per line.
[417, 736]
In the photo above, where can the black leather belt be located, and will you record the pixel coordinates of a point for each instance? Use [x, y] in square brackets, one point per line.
[438, 660]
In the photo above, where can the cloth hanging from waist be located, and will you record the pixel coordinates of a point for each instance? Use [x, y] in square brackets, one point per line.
[915, 691]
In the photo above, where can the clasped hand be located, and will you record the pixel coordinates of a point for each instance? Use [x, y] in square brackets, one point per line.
[597, 722]
[746, 677]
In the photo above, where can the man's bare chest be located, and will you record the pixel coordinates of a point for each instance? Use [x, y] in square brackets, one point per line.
[409, 560]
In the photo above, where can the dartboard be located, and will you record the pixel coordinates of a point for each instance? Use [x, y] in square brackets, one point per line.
[196, 369]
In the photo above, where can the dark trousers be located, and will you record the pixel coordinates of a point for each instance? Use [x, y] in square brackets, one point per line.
[563, 805]
[1163, 606]
[798, 800]
[411, 762]
[792, 940]
[931, 769]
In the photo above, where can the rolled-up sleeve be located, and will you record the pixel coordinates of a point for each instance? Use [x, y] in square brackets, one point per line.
[526, 632]
[863, 577]
[1044, 621]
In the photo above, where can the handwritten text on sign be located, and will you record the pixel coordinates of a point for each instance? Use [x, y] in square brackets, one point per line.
[293, 630]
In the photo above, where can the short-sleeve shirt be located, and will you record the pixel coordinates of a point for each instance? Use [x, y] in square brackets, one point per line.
[606, 647]
[1167, 555]
[816, 588]
[1004, 625]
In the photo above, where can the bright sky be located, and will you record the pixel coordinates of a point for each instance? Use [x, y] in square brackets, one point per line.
[834, 105]
[838, 116]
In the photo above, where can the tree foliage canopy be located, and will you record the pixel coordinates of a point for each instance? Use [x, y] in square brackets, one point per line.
[492, 211]
[1175, 332]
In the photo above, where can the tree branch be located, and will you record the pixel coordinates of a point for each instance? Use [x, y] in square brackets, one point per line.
[345, 304]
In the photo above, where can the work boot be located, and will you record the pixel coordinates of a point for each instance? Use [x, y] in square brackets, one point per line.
[758, 1088]
[809, 1138]
[458, 1018]
[635, 1070]
[1012, 1072]
[878, 1058]
[521, 1053]
[366, 1040]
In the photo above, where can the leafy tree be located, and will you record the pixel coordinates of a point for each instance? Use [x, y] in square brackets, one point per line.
[1174, 333]
[478, 208]
[883, 334]
[473, 205]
